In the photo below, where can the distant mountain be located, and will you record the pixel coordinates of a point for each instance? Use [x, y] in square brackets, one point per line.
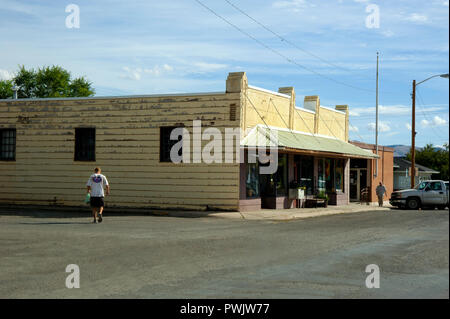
[402, 150]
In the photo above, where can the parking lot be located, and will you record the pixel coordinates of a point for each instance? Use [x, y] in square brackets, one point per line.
[205, 257]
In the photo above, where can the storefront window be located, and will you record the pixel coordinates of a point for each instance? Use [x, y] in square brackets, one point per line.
[281, 175]
[306, 174]
[329, 175]
[321, 175]
[339, 175]
[252, 180]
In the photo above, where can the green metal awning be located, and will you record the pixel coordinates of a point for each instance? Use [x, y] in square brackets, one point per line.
[263, 136]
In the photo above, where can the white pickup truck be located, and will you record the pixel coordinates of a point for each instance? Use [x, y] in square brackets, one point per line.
[430, 193]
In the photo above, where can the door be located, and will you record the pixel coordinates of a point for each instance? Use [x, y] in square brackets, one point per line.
[358, 181]
[434, 194]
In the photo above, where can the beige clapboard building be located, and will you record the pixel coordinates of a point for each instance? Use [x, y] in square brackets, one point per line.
[49, 148]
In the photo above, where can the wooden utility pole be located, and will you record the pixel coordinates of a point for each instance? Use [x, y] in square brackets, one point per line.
[413, 137]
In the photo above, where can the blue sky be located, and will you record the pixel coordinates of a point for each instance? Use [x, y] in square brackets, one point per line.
[150, 47]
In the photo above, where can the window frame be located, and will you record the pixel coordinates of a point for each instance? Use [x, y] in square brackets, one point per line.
[13, 144]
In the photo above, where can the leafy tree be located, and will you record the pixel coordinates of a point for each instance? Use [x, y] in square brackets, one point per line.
[432, 157]
[46, 82]
[6, 91]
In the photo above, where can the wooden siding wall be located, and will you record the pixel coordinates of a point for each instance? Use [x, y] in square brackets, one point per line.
[303, 121]
[266, 105]
[332, 123]
[127, 150]
[275, 111]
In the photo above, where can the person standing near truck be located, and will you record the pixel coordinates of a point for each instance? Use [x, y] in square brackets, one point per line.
[95, 186]
[380, 190]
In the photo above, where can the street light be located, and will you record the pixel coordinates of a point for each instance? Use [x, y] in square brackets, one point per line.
[413, 129]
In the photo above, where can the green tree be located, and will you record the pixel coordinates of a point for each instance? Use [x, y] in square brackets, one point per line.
[46, 82]
[6, 91]
[432, 157]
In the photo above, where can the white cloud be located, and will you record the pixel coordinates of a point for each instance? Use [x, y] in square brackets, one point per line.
[388, 33]
[408, 126]
[6, 75]
[352, 128]
[418, 18]
[203, 67]
[393, 109]
[382, 127]
[391, 134]
[132, 74]
[136, 73]
[159, 70]
[437, 121]
[295, 5]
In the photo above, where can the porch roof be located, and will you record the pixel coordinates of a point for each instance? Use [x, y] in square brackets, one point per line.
[285, 139]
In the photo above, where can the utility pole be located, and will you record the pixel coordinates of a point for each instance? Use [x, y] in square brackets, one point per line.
[413, 137]
[413, 128]
[376, 125]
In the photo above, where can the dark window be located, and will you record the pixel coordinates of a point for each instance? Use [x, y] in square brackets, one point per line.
[165, 143]
[7, 144]
[436, 186]
[275, 184]
[306, 173]
[252, 180]
[85, 144]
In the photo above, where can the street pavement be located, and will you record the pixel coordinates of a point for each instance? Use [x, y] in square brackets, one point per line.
[135, 256]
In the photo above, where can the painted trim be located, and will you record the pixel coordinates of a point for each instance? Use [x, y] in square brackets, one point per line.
[330, 109]
[114, 97]
[269, 91]
[304, 110]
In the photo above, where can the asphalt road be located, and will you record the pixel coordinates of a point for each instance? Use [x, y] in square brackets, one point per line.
[168, 257]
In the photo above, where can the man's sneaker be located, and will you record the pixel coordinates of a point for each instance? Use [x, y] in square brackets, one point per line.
[100, 218]
[95, 221]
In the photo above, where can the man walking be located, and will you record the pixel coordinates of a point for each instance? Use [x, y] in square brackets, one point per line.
[381, 190]
[95, 188]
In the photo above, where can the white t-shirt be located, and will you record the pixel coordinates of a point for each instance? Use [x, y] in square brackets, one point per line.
[96, 182]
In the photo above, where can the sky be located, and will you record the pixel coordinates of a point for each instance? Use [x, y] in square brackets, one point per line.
[323, 47]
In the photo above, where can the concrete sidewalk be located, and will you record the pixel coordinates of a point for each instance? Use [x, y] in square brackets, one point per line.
[263, 214]
[297, 213]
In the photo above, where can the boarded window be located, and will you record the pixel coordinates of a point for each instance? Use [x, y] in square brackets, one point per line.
[233, 112]
[85, 144]
[7, 144]
[166, 143]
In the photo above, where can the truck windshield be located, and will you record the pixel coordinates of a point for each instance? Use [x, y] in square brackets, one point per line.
[421, 186]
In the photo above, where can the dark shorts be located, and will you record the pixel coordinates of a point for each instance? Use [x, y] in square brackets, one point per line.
[97, 202]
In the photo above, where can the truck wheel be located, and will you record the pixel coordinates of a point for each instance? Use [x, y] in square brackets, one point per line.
[413, 203]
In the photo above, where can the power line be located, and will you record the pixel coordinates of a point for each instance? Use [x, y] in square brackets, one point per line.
[358, 118]
[357, 133]
[329, 129]
[288, 41]
[425, 115]
[279, 53]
